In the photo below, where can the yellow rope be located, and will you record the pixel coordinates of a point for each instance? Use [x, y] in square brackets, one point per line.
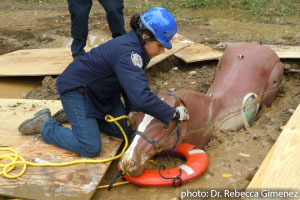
[153, 162]
[116, 184]
[17, 159]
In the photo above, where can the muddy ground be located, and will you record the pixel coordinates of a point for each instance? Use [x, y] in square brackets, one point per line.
[36, 24]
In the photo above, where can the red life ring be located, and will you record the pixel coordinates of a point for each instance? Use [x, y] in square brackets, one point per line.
[197, 163]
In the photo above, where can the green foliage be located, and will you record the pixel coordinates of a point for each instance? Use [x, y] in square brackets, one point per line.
[254, 7]
[192, 3]
[267, 7]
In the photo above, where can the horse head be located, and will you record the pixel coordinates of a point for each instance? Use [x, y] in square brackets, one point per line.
[152, 137]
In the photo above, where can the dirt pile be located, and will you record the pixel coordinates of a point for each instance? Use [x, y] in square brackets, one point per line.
[46, 91]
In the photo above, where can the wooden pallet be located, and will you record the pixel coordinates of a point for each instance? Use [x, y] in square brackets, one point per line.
[70, 182]
[280, 169]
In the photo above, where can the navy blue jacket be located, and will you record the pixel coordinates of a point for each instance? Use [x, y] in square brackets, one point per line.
[106, 71]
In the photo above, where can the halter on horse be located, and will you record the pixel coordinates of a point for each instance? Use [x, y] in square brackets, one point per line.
[152, 137]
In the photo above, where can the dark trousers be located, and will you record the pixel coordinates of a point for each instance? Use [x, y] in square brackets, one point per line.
[80, 10]
[84, 137]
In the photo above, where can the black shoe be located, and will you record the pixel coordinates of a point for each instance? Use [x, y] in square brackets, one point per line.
[60, 116]
[34, 125]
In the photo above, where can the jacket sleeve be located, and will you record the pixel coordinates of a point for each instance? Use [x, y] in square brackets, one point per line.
[128, 105]
[134, 82]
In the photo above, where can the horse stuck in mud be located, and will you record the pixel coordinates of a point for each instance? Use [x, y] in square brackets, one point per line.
[248, 76]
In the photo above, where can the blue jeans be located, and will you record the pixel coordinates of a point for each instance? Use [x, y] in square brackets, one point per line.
[80, 10]
[84, 138]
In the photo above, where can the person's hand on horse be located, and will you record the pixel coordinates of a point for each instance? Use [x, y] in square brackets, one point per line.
[130, 121]
[181, 113]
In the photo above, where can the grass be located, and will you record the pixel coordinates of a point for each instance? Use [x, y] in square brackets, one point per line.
[267, 7]
[253, 7]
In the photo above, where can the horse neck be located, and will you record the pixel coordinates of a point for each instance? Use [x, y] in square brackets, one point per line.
[201, 107]
[203, 110]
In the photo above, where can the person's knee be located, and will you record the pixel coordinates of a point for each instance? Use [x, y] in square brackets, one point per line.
[91, 150]
[80, 16]
[114, 11]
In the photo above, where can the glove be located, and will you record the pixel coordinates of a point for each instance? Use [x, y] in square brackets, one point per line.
[181, 113]
[130, 121]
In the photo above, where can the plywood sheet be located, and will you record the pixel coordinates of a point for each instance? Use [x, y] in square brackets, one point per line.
[195, 52]
[283, 51]
[281, 167]
[176, 47]
[70, 182]
[291, 52]
[35, 62]
[42, 62]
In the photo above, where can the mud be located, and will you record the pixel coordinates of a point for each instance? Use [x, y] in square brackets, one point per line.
[18, 87]
[46, 91]
[36, 24]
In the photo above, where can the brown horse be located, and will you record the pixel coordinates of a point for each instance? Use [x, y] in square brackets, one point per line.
[248, 75]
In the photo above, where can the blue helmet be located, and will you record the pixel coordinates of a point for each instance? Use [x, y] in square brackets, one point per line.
[161, 23]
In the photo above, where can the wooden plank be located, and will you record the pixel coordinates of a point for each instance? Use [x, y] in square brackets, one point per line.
[42, 62]
[195, 52]
[70, 182]
[283, 51]
[281, 167]
[168, 52]
[291, 52]
[35, 62]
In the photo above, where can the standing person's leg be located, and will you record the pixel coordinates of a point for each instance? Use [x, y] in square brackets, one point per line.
[79, 10]
[111, 128]
[84, 138]
[114, 16]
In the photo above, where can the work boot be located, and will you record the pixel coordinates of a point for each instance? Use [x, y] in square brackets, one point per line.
[34, 125]
[60, 116]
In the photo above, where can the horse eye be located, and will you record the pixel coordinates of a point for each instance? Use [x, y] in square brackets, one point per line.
[165, 126]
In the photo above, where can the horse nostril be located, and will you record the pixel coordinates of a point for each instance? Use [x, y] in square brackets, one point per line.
[128, 165]
[131, 163]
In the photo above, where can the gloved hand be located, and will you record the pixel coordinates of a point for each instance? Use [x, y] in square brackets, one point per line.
[130, 121]
[181, 113]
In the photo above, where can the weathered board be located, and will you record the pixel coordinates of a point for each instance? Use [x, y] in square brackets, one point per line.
[289, 52]
[283, 51]
[281, 167]
[195, 52]
[42, 62]
[176, 47]
[35, 62]
[70, 182]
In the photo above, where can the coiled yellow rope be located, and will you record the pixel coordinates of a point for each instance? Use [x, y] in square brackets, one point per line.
[17, 159]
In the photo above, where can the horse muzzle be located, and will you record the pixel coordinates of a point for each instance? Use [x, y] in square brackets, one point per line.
[131, 167]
